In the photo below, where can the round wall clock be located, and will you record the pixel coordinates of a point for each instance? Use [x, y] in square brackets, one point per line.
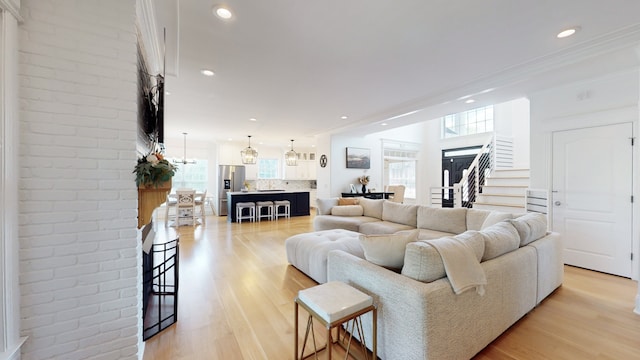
[323, 160]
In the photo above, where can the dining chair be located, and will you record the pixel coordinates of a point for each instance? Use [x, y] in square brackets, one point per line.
[170, 204]
[398, 193]
[201, 200]
[186, 207]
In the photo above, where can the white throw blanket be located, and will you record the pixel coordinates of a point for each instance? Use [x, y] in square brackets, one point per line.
[462, 267]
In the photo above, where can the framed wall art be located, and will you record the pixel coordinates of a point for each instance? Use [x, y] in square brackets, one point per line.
[358, 158]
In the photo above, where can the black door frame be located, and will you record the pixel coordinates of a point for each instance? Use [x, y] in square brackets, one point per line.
[455, 164]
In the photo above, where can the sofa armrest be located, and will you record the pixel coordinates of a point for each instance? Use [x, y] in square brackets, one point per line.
[549, 250]
[419, 320]
[406, 299]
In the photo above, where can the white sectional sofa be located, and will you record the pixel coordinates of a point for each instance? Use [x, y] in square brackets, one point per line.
[420, 316]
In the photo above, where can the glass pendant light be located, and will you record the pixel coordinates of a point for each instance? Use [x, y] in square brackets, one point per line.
[248, 154]
[291, 157]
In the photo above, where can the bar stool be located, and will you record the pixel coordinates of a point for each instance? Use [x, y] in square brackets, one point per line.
[251, 207]
[333, 304]
[286, 207]
[264, 204]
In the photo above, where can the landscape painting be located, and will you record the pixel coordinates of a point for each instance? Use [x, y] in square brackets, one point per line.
[358, 158]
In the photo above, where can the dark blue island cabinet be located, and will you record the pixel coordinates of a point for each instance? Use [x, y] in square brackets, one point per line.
[299, 200]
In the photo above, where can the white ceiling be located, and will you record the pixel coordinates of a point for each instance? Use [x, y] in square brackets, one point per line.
[298, 66]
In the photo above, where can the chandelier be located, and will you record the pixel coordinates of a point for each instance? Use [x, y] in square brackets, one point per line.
[291, 157]
[184, 160]
[248, 154]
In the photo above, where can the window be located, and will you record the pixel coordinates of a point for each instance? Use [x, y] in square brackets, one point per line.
[267, 168]
[192, 176]
[400, 161]
[474, 121]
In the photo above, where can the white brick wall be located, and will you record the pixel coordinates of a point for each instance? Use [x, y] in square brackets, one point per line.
[79, 254]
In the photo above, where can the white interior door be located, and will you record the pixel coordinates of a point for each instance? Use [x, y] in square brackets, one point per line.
[592, 188]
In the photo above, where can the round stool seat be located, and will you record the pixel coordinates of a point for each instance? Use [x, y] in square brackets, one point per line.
[268, 205]
[251, 213]
[285, 205]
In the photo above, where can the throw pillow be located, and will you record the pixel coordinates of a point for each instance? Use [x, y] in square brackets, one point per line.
[531, 227]
[347, 201]
[372, 207]
[323, 206]
[387, 250]
[422, 262]
[347, 210]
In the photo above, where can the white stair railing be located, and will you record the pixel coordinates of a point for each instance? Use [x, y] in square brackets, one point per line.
[497, 153]
[537, 200]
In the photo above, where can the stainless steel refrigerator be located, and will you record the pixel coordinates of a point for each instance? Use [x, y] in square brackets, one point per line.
[230, 178]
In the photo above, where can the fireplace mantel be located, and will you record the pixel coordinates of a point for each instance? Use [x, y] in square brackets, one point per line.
[149, 198]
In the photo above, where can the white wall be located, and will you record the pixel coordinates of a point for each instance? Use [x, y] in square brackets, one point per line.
[511, 119]
[341, 177]
[80, 258]
[607, 99]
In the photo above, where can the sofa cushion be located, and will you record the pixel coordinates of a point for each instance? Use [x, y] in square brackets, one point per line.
[500, 238]
[328, 222]
[495, 217]
[451, 220]
[399, 213]
[383, 227]
[530, 227]
[475, 218]
[372, 207]
[347, 210]
[428, 234]
[387, 250]
[422, 262]
[323, 206]
[347, 201]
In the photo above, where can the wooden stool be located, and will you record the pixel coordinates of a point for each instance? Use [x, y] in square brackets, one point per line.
[245, 205]
[264, 204]
[333, 304]
[286, 208]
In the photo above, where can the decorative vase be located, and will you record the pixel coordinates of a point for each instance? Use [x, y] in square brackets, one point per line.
[364, 188]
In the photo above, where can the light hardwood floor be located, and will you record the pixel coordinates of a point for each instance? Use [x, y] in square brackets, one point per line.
[237, 290]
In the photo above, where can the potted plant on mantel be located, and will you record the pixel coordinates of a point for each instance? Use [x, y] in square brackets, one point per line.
[153, 178]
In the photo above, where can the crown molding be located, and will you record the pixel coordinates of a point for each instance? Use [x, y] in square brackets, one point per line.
[13, 7]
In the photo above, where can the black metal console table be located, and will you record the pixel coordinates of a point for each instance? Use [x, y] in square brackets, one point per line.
[369, 195]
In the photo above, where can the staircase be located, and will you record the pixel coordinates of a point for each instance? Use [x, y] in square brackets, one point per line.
[504, 190]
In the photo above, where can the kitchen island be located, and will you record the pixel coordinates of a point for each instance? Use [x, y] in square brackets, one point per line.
[299, 200]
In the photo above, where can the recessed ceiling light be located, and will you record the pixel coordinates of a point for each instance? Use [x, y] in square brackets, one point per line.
[207, 72]
[344, 117]
[567, 32]
[384, 124]
[470, 101]
[222, 12]
[253, 119]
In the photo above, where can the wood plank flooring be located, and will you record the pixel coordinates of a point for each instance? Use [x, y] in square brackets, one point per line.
[237, 290]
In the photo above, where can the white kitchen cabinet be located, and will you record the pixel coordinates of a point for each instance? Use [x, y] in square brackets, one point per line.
[305, 170]
[251, 172]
